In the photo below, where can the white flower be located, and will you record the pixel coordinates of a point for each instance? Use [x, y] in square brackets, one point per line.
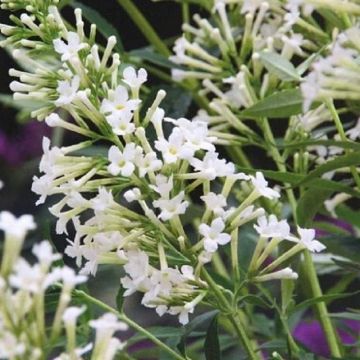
[132, 195]
[214, 202]
[16, 227]
[171, 207]
[122, 162]
[69, 50]
[188, 272]
[121, 123]
[163, 185]
[132, 79]
[72, 313]
[68, 276]
[261, 186]
[354, 133]
[139, 271]
[213, 235]
[30, 278]
[272, 228]
[118, 103]
[107, 324]
[51, 156]
[103, 201]
[161, 284]
[183, 313]
[148, 163]
[44, 253]
[53, 120]
[307, 239]
[286, 273]
[174, 148]
[195, 133]
[67, 90]
[211, 166]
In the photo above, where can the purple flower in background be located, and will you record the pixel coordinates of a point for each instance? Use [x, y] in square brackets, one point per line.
[311, 335]
[336, 222]
[25, 145]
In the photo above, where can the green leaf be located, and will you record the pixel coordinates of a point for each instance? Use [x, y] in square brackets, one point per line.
[161, 332]
[197, 322]
[345, 246]
[310, 203]
[212, 345]
[325, 298]
[348, 265]
[352, 159]
[149, 55]
[346, 315]
[350, 216]
[103, 25]
[279, 66]
[287, 291]
[304, 144]
[282, 104]
[255, 300]
[296, 179]
[305, 65]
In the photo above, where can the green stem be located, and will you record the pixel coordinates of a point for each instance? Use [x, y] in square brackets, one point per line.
[235, 255]
[309, 265]
[280, 163]
[340, 129]
[185, 12]
[129, 322]
[329, 330]
[144, 26]
[232, 316]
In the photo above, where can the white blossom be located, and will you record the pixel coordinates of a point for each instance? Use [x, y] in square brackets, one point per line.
[72, 313]
[71, 49]
[67, 90]
[307, 239]
[171, 207]
[211, 166]
[118, 103]
[123, 162]
[16, 227]
[133, 79]
[148, 163]
[261, 186]
[213, 235]
[286, 273]
[272, 228]
[163, 185]
[215, 203]
[132, 195]
[44, 252]
[174, 148]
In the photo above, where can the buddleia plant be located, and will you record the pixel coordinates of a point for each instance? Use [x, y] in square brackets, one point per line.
[177, 203]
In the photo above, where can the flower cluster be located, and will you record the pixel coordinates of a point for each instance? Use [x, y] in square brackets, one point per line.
[24, 287]
[129, 207]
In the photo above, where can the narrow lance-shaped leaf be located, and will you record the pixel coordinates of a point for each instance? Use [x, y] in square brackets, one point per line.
[212, 344]
[343, 161]
[310, 203]
[296, 179]
[279, 66]
[282, 104]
